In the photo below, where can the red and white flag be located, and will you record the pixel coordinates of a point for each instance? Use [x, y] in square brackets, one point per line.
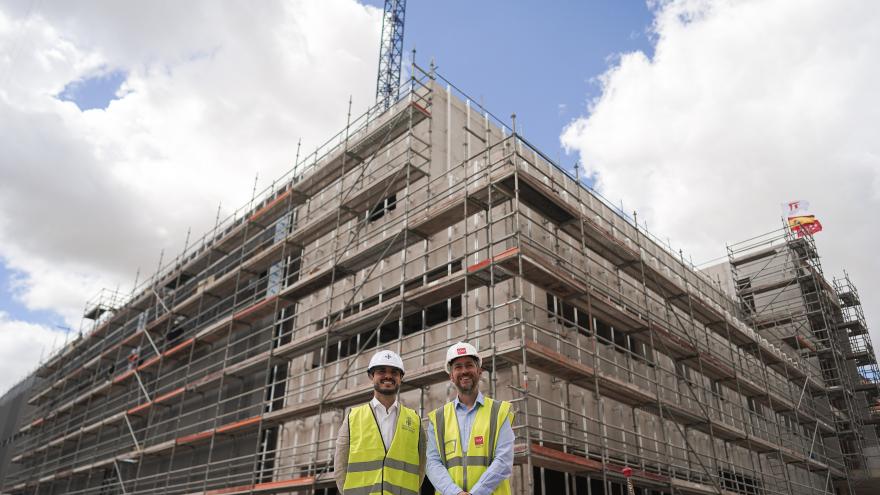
[800, 220]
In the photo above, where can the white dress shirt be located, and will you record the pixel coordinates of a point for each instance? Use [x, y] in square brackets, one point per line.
[387, 420]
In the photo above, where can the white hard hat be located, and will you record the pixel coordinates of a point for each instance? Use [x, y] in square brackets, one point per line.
[386, 358]
[461, 349]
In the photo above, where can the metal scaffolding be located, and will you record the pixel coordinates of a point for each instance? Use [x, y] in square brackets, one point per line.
[783, 292]
[860, 352]
[230, 370]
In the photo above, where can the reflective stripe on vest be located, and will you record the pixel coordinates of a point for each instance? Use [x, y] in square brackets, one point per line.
[466, 469]
[371, 470]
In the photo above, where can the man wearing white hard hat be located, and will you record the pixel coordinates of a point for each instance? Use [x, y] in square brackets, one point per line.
[470, 440]
[381, 445]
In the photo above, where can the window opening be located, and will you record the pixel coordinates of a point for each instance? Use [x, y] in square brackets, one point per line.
[386, 205]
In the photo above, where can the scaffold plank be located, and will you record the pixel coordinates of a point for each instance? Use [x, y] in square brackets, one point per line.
[206, 381]
[293, 484]
[238, 426]
[293, 411]
[368, 318]
[854, 327]
[551, 458]
[383, 133]
[557, 460]
[261, 308]
[540, 197]
[313, 281]
[219, 285]
[694, 488]
[354, 207]
[263, 257]
[159, 448]
[212, 333]
[270, 207]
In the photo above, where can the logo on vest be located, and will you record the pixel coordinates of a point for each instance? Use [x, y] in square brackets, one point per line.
[478, 440]
[409, 426]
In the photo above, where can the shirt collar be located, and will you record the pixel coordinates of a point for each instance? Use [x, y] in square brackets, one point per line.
[478, 402]
[375, 404]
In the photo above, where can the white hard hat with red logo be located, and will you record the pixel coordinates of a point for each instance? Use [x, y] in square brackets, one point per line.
[386, 358]
[461, 349]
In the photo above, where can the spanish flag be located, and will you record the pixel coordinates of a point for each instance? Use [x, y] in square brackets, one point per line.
[800, 220]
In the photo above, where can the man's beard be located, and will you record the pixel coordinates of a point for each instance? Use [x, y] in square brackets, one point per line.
[378, 388]
[466, 389]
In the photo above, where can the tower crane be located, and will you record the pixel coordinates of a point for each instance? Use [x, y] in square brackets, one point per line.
[390, 53]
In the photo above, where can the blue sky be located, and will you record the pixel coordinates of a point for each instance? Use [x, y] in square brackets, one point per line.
[537, 59]
[93, 92]
[15, 309]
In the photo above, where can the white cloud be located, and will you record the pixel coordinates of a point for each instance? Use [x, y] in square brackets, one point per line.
[22, 344]
[213, 96]
[746, 105]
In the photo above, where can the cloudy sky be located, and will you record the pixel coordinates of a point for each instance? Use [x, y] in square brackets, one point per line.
[124, 125]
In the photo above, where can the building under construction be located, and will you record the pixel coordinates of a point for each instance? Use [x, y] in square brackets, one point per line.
[785, 296]
[418, 226]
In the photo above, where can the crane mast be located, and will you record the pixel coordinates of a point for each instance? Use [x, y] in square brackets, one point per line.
[390, 53]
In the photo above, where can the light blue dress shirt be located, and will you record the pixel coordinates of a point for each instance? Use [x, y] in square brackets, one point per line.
[498, 471]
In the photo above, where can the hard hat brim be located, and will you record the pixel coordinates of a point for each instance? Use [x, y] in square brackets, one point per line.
[370, 370]
[475, 357]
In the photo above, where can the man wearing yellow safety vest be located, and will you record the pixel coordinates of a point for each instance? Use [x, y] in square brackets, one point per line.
[381, 446]
[470, 440]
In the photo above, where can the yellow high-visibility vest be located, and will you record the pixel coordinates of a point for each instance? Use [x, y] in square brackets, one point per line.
[466, 470]
[372, 470]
